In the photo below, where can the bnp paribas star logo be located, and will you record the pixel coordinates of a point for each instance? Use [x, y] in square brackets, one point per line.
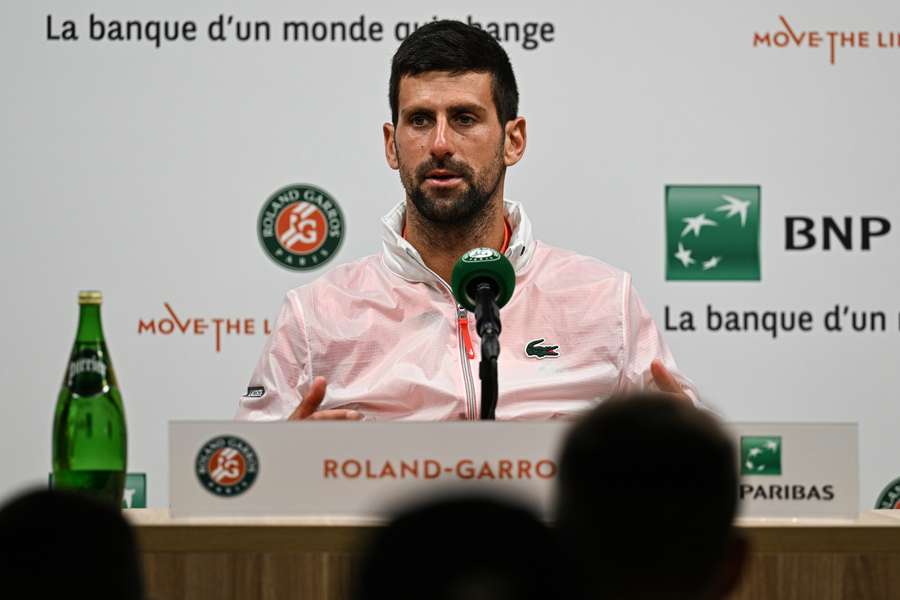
[712, 232]
[761, 455]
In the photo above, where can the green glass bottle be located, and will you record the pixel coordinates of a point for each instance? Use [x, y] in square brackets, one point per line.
[89, 439]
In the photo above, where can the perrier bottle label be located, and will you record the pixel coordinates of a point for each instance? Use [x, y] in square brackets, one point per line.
[89, 438]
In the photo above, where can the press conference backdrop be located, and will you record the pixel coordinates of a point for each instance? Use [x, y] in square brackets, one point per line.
[140, 167]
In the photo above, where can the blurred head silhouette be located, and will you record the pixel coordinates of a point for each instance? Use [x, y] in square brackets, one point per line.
[646, 499]
[470, 548]
[57, 544]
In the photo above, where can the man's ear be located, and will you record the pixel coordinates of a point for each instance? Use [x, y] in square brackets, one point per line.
[390, 148]
[515, 140]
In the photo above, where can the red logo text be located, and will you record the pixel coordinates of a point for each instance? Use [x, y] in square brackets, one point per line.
[215, 326]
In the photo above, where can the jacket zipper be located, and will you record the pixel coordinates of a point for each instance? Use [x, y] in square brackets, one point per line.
[466, 350]
[464, 330]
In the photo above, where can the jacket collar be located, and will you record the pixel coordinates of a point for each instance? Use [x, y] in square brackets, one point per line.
[405, 261]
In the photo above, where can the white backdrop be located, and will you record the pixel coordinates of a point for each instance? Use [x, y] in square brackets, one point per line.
[141, 171]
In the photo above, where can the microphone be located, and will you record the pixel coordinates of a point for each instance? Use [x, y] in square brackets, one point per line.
[482, 265]
[483, 281]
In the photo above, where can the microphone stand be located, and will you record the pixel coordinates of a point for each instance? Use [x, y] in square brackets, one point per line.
[487, 324]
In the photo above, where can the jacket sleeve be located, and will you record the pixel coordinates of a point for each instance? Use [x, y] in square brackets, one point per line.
[642, 344]
[283, 373]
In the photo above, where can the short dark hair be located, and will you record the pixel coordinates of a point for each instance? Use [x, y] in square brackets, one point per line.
[647, 497]
[56, 544]
[463, 548]
[457, 48]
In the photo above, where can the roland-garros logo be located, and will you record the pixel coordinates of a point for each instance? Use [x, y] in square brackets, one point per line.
[889, 496]
[226, 466]
[301, 227]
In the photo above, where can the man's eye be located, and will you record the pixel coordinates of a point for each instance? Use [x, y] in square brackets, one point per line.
[418, 120]
[465, 119]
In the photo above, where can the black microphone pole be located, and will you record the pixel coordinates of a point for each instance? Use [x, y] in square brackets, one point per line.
[487, 324]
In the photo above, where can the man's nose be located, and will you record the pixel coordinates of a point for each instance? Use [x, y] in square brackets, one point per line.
[441, 147]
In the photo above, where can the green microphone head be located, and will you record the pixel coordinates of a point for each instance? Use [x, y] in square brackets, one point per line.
[480, 264]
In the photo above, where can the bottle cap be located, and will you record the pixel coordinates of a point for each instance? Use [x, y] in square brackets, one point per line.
[90, 297]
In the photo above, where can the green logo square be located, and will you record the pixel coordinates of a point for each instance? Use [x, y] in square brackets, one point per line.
[761, 455]
[134, 494]
[712, 232]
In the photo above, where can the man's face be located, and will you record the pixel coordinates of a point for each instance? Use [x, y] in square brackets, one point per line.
[448, 144]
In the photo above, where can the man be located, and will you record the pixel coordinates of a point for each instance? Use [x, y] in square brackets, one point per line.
[463, 548]
[59, 544]
[646, 500]
[385, 334]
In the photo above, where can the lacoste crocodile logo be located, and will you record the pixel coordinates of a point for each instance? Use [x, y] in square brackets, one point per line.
[533, 349]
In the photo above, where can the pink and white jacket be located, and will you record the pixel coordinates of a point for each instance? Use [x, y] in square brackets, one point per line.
[388, 336]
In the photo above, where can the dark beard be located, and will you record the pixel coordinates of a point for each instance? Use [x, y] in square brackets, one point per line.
[468, 206]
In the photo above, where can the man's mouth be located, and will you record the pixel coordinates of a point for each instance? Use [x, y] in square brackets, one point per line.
[442, 178]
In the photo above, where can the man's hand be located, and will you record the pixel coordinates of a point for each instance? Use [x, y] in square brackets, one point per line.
[308, 409]
[666, 382]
